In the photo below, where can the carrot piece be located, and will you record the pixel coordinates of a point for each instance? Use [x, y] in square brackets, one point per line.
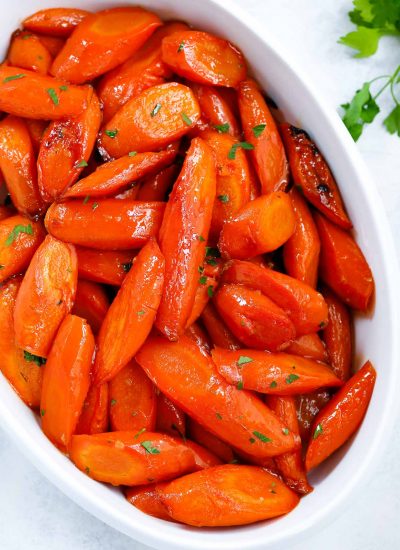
[53, 44]
[155, 188]
[18, 165]
[183, 234]
[130, 317]
[216, 110]
[46, 296]
[102, 41]
[304, 306]
[312, 175]
[104, 266]
[203, 457]
[196, 333]
[219, 333]
[227, 495]
[310, 346]
[105, 224]
[130, 193]
[290, 465]
[27, 51]
[260, 130]
[111, 177]
[233, 180]
[308, 406]
[189, 378]
[146, 499]
[132, 400]
[341, 417]
[91, 303]
[274, 373]
[94, 414]
[65, 149]
[36, 130]
[126, 458]
[28, 94]
[262, 225]
[337, 336]
[150, 121]
[170, 418]
[211, 442]
[66, 380]
[301, 251]
[343, 266]
[253, 318]
[204, 292]
[141, 71]
[19, 239]
[21, 369]
[204, 58]
[55, 21]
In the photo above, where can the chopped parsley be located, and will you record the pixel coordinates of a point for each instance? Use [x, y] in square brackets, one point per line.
[262, 437]
[53, 95]
[42, 412]
[149, 448]
[273, 384]
[140, 432]
[140, 313]
[242, 144]
[203, 280]
[200, 238]
[95, 205]
[219, 416]
[111, 133]
[63, 88]
[200, 269]
[132, 153]
[243, 359]
[223, 198]
[291, 378]
[81, 164]
[39, 361]
[126, 267]
[212, 252]
[16, 231]
[156, 109]
[210, 291]
[285, 431]
[113, 402]
[258, 130]
[222, 128]
[186, 119]
[86, 199]
[252, 440]
[181, 46]
[318, 431]
[14, 77]
[240, 385]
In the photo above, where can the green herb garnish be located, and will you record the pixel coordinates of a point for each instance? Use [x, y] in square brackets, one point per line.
[222, 128]
[258, 130]
[39, 361]
[186, 119]
[81, 164]
[86, 199]
[132, 153]
[243, 359]
[27, 229]
[223, 198]
[157, 107]
[210, 291]
[111, 133]
[318, 431]
[53, 95]
[273, 384]
[203, 280]
[14, 77]
[262, 437]
[149, 448]
[291, 378]
[113, 402]
[242, 144]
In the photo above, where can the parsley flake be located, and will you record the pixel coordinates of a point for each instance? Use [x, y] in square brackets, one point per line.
[86, 199]
[111, 133]
[222, 128]
[210, 291]
[132, 153]
[14, 77]
[81, 164]
[203, 280]
[212, 252]
[53, 95]
[149, 448]
[200, 238]
[27, 229]
[219, 416]
[186, 119]
[156, 109]
[318, 431]
[140, 313]
[39, 361]
[242, 144]
[291, 378]
[42, 412]
[63, 88]
[126, 267]
[113, 402]
[262, 437]
[95, 205]
[273, 384]
[140, 432]
[181, 46]
[258, 130]
[240, 385]
[223, 198]
[285, 431]
[243, 360]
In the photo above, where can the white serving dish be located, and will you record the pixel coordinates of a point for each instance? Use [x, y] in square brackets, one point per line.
[377, 336]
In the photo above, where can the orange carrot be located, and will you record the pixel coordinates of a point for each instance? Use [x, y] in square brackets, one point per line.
[91, 303]
[55, 21]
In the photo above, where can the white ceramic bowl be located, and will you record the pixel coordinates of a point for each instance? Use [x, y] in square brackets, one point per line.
[377, 336]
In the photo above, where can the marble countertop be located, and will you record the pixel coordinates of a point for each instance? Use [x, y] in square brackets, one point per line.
[36, 515]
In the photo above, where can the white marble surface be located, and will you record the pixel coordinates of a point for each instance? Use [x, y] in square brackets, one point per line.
[36, 515]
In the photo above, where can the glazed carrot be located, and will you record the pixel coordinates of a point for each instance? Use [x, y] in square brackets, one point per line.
[28, 94]
[28, 52]
[94, 414]
[341, 417]
[233, 180]
[301, 251]
[104, 266]
[211, 442]
[189, 378]
[155, 188]
[91, 303]
[129, 458]
[308, 406]
[203, 457]
[146, 499]
[18, 165]
[19, 239]
[227, 495]
[343, 266]
[170, 418]
[290, 465]
[183, 234]
[55, 21]
[310, 346]
[219, 333]
[21, 369]
[133, 403]
[130, 193]
[253, 318]
[36, 130]
[65, 149]
[260, 130]
[205, 290]
[66, 380]
[304, 306]
[141, 71]
[130, 317]
[198, 335]
[105, 224]
[311, 174]
[274, 373]
[111, 177]
[46, 296]
[53, 44]
[337, 336]
[150, 121]
[262, 225]
[102, 41]
[204, 58]
[216, 110]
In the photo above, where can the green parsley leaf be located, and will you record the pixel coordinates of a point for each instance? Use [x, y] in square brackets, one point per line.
[149, 448]
[81, 164]
[53, 95]
[243, 144]
[223, 198]
[200, 269]
[200, 238]
[181, 46]
[203, 280]
[126, 267]
[258, 130]
[63, 88]
[291, 378]
[86, 199]
[95, 205]
[140, 312]
[157, 107]
[252, 440]
[111, 133]
[222, 128]
[113, 402]
[285, 431]
[34, 358]
[211, 261]
[186, 119]
[14, 77]
[361, 110]
[364, 40]
[132, 153]
[240, 385]
[140, 432]
[27, 229]
[392, 121]
[243, 360]
[210, 291]
[219, 416]
[273, 384]
[318, 431]
[26, 36]
[42, 412]
[262, 437]
[212, 252]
